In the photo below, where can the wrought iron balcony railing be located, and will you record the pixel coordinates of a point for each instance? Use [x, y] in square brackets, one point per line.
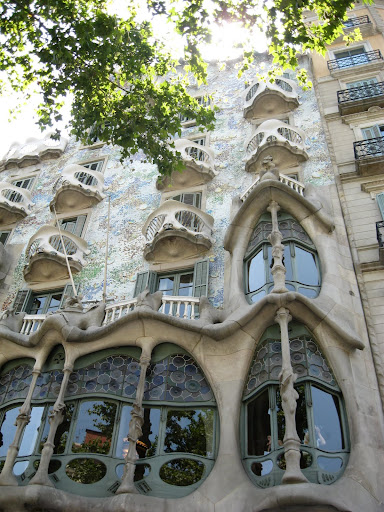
[380, 233]
[355, 22]
[355, 60]
[361, 93]
[369, 148]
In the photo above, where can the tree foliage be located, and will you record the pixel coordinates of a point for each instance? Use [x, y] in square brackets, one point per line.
[125, 87]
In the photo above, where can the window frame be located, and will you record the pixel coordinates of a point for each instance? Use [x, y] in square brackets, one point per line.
[6, 232]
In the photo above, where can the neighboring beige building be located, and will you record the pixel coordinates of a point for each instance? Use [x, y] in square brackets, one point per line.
[233, 361]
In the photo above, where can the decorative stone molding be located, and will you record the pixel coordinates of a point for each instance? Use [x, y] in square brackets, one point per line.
[5, 262]
[373, 187]
[265, 98]
[32, 152]
[46, 258]
[15, 203]
[199, 164]
[284, 143]
[177, 231]
[77, 188]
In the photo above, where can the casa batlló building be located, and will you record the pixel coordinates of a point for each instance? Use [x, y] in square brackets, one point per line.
[236, 363]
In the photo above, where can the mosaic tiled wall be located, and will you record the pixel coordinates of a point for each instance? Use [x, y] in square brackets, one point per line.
[134, 196]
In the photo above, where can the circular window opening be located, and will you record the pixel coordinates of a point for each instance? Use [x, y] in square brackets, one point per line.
[85, 471]
[182, 472]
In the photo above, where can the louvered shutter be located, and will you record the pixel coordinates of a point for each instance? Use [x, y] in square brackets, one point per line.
[200, 278]
[21, 300]
[372, 132]
[144, 279]
[80, 225]
[380, 203]
[67, 292]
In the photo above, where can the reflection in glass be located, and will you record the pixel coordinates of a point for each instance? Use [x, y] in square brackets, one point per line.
[94, 427]
[259, 425]
[20, 467]
[85, 471]
[150, 430]
[258, 296]
[182, 472]
[307, 272]
[31, 432]
[262, 468]
[141, 471]
[288, 263]
[332, 465]
[256, 272]
[62, 431]
[280, 420]
[326, 416]
[122, 440]
[301, 416]
[190, 432]
[8, 429]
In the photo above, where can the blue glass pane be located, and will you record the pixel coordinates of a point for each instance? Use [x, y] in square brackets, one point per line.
[8, 429]
[256, 273]
[331, 465]
[20, 467]
[258, 296]
[328, 434]
[31, 432]
[288, 263]
[307, 272]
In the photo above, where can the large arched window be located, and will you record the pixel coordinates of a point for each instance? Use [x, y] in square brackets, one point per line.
[320, 421]
[177, 449]
[300, 259]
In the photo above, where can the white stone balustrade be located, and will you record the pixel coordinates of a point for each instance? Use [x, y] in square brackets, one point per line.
[199, 166]
[33, 151]
[78, 187]
[31, 323]
[270, 97]
[177, 230]
[15, 203]
[285, 143]
[177, 306]
[46, 258]
[290, 182]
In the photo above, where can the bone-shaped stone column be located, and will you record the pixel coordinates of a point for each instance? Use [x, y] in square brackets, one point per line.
[275, 238]
[55, 419]
[135, 430]
[7, 477]
[289, 398]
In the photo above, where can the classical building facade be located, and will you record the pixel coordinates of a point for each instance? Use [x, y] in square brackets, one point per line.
[228, 357]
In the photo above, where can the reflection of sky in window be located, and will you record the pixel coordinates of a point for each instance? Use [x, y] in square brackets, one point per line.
[185, 422]
[8, 430]
[31, 432]
[307, 272]
[327, 422]
[88, 420]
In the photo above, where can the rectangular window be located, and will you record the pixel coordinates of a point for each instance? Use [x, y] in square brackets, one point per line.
[372, 132]
[351, 57]
[203, 101]
[40, 303]
[361, 83]
[4, 235]
[74, 225]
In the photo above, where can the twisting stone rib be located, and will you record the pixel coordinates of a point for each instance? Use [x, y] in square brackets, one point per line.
[7, 477]
[289, 398]
[135, 431]
[275, 238]
[55, 419]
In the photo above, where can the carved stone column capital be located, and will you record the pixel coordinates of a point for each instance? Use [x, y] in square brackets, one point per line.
[283, 316]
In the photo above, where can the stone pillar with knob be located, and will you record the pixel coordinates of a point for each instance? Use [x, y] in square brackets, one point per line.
[7, 477]
[135, 426]
[289, 396]
[275, 238]
[56, 417]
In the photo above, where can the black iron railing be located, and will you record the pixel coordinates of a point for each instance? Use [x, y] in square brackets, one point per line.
[369, 148]
[361, 93]
[380, 233]
[354, 60]
[355, 22]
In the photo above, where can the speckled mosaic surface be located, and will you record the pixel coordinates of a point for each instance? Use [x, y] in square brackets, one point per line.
[134, 196]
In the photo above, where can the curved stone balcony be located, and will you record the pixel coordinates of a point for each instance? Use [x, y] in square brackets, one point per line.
[77, 188]
[15, 203]
[265, 98]
[32, 152]
[177, 231]
[199, 164]
[45, 255]
[285, 143]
